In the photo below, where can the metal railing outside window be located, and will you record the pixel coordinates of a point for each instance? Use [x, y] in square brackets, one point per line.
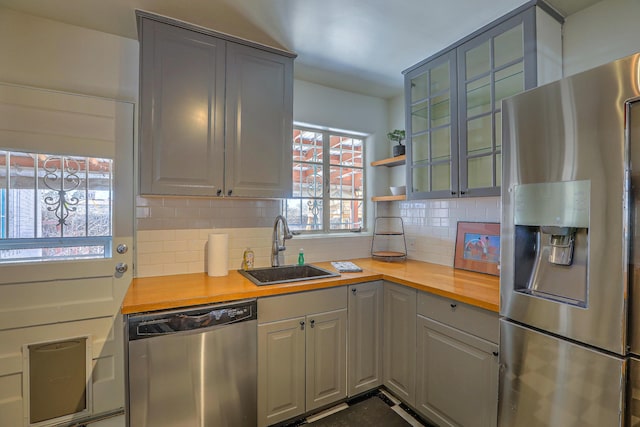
[54, 207]
[328, 181]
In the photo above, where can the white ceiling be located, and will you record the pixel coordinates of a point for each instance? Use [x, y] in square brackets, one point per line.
[355, 45]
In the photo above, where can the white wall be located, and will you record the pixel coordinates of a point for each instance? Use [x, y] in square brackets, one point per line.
[332, 108]
[48, 54]
[600, 34]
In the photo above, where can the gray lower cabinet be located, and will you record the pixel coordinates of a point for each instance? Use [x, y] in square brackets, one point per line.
[457, 363]
[326, 365]
[399, 343]
[364, 345]
[216, 114]
[302, 354]
[281, 370]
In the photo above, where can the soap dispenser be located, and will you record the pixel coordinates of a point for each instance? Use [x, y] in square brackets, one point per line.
[247, 259]
[301, 257]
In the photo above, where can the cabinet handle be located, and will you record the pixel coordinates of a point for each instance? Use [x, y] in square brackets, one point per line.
[302, 325]
[219, 192]
[495, 353]
[463, 192]
[313, 323]
[354, 290]
[453, 193]
[229, 192]
[453, 307]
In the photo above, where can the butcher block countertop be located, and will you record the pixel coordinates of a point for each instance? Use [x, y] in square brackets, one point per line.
[183, 290]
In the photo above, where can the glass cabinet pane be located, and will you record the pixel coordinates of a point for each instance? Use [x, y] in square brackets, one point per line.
[441, 177]
[440, 79]
[441, 143]
[478, 60]
[419, 117]
[420, 87]
[480, 172]
[421, 179]
[479, 96]
[420, 148]
[433, 126]
[508, 46]
[508, 82]
[440, 110]
[479, 135]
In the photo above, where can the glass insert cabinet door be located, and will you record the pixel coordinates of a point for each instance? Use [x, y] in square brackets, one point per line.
[432, 127]
[496, 65]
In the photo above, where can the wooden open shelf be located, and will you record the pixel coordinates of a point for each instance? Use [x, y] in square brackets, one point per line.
[391, 161]
[388, 198]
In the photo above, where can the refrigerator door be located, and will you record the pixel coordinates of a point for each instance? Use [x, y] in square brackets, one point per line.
[633, 124]
[633, 413]
[547, 381]
[564, 185]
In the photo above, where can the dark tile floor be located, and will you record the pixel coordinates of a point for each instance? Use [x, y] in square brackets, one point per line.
[375, 409]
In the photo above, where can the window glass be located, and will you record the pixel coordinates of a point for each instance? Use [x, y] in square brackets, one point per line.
[54, 206]
[328, 170]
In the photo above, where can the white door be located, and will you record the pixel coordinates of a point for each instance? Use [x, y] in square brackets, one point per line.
[55, 298]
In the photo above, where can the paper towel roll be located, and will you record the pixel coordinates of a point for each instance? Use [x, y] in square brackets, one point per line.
[218, 257]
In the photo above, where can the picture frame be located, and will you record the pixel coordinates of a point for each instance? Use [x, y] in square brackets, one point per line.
[478, 247]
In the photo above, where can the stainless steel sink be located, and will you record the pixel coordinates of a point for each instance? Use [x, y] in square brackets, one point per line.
[285, 274]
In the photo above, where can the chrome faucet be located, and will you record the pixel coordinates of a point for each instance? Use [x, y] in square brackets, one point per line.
[276, 258]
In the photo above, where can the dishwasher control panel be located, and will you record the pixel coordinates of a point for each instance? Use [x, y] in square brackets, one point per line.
[147, 325]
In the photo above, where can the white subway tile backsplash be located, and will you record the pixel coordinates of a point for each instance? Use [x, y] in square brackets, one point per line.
[172, 232]
[435, 235]
[183, 251]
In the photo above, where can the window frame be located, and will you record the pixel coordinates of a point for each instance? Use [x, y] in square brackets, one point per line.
[326, 198]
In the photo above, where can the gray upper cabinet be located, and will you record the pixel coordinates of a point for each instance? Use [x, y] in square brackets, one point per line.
[216, 113]
[453, 103]
[182, 88]
[259, 123]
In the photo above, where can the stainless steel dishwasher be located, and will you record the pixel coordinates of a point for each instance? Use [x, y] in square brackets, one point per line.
[194, 367]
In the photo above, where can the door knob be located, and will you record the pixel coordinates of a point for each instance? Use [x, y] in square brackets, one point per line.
[121, 267]
[122, 248]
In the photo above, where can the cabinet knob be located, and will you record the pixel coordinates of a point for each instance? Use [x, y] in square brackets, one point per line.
[463, 192]
[219, 192]
[354, 291]
[453, 193]
[495, 353]
[313, 323]
[453, 306]
[302, 325]
[229, 192]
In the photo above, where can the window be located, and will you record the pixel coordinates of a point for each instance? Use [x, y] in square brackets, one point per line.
[327, 172]
[54, 207]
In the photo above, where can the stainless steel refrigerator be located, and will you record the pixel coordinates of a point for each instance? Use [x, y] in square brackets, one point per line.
[569, 336]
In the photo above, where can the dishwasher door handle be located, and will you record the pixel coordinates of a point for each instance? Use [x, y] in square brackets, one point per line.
[152, 324]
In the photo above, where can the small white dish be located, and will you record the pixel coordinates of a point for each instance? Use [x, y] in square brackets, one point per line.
[398, 191]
